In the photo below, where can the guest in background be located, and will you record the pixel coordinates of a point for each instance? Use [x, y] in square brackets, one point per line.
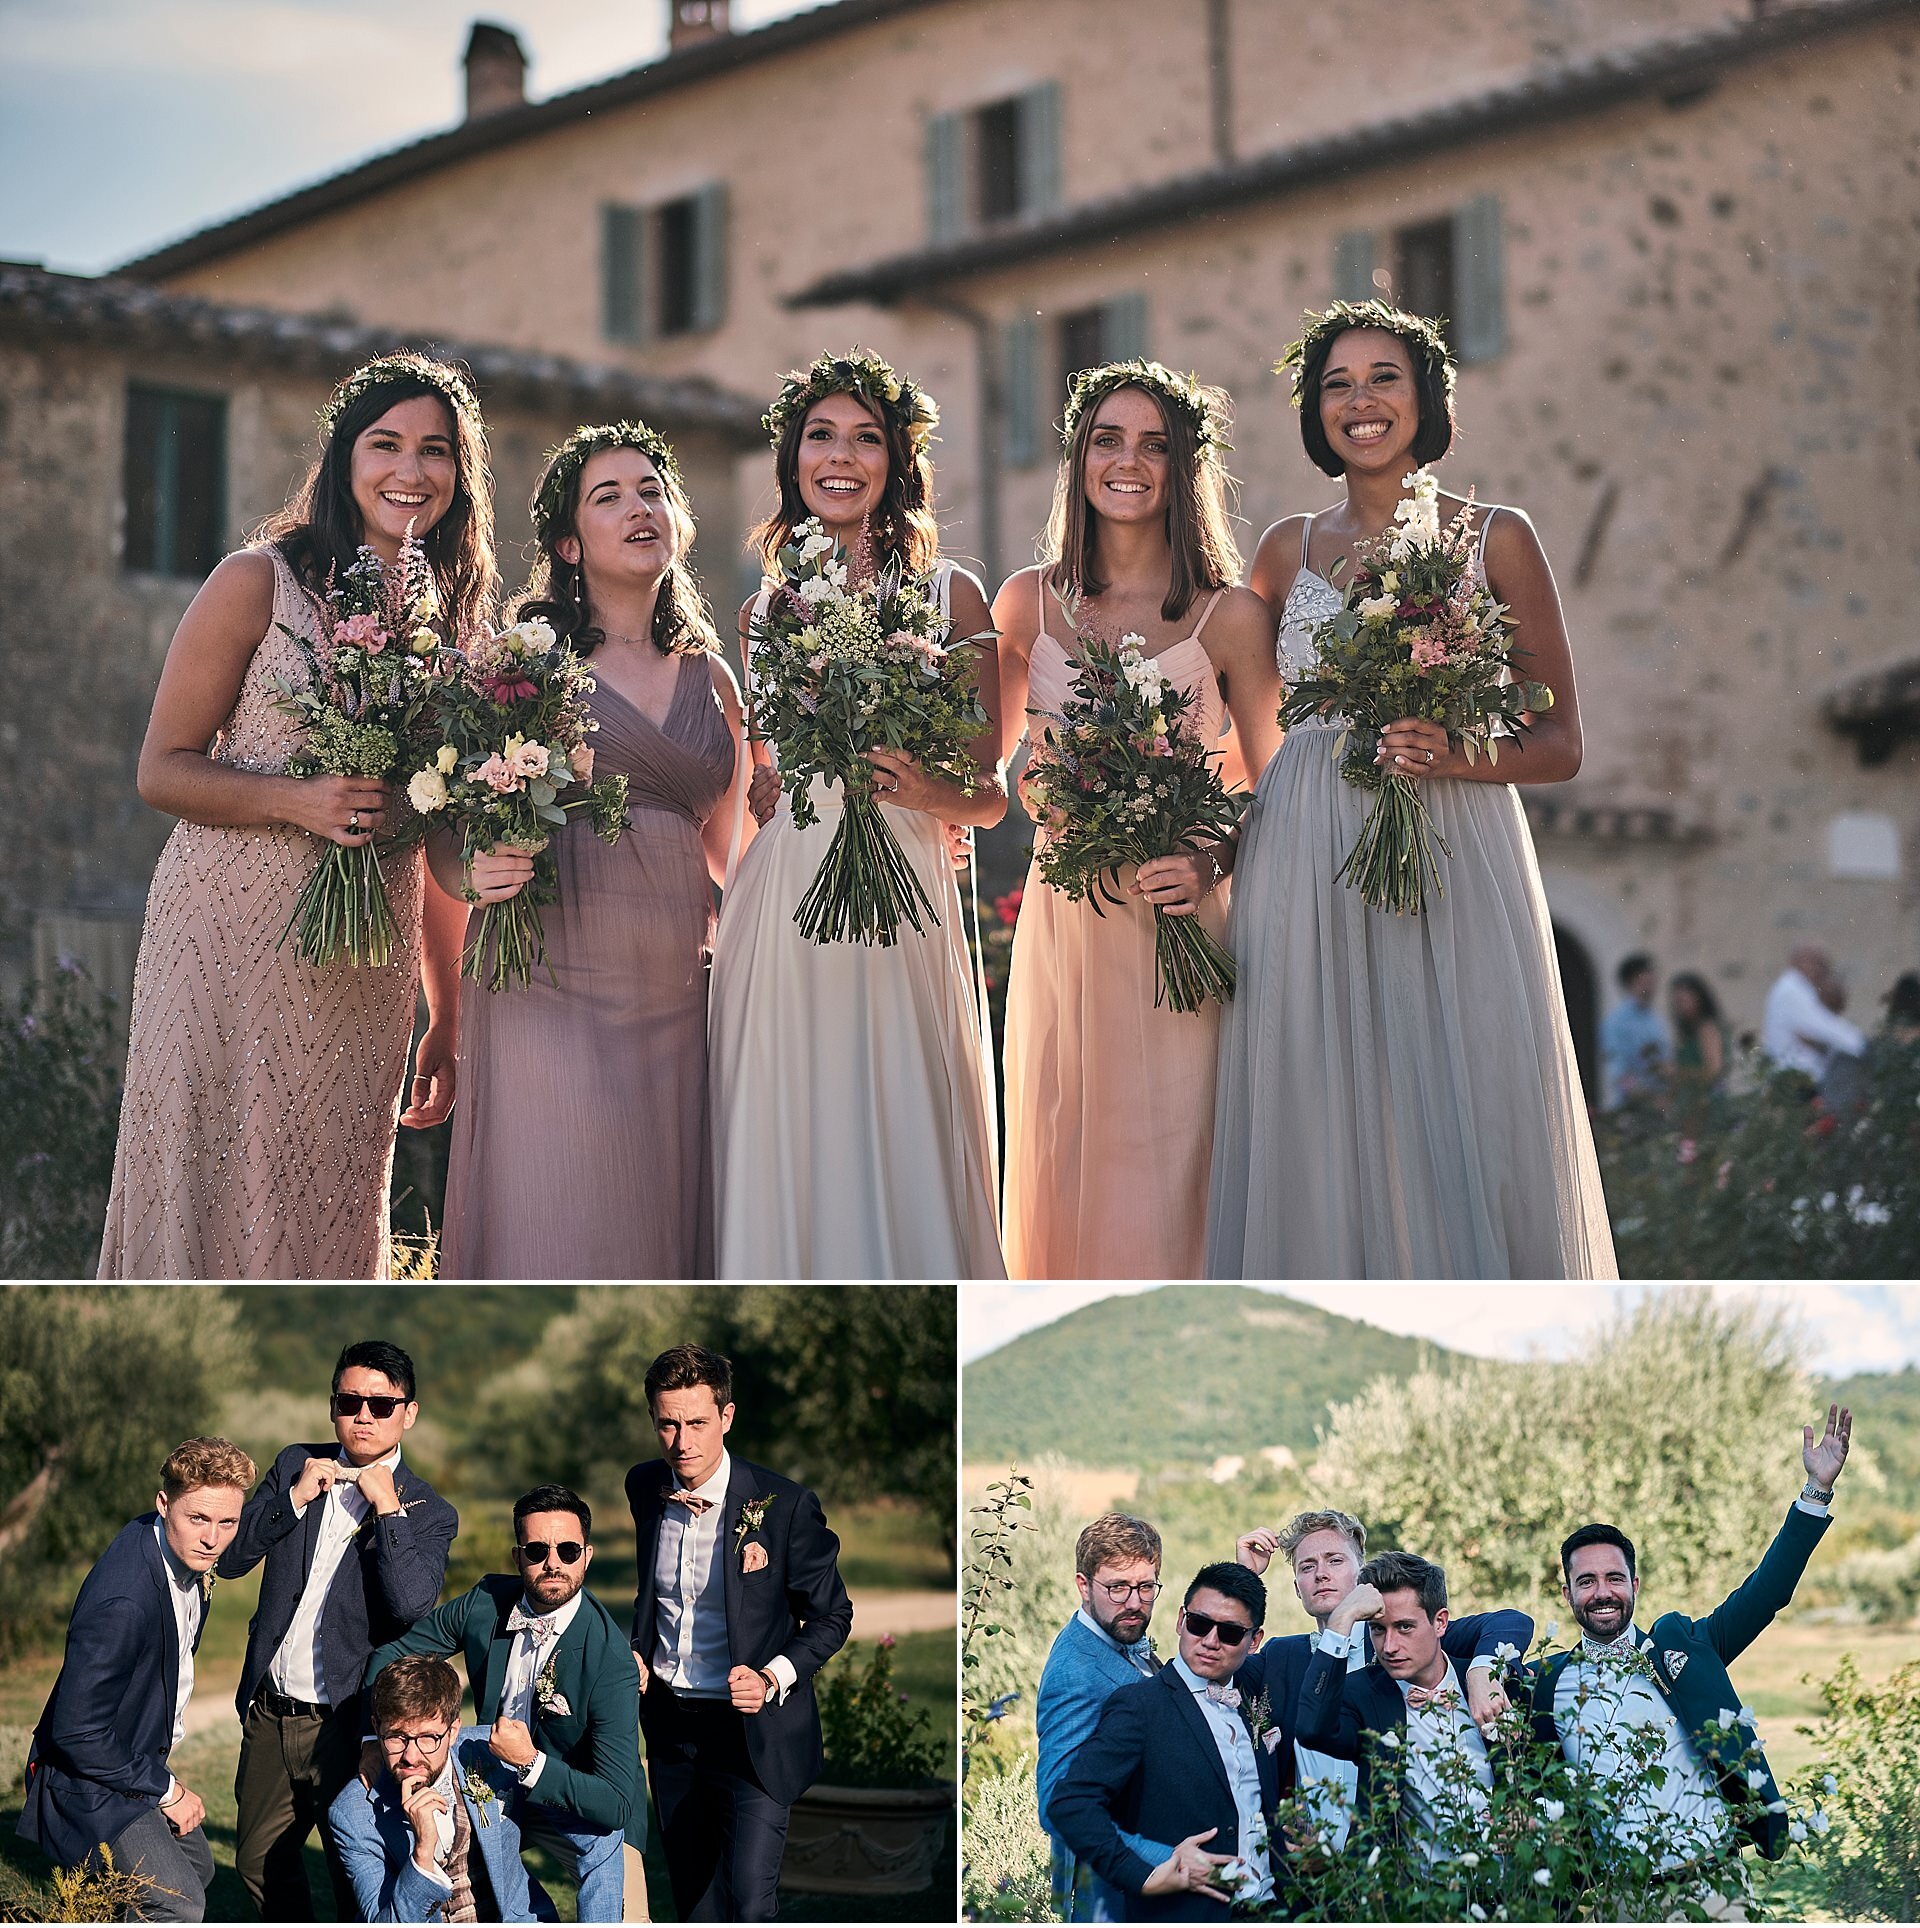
[1633, 1040]
[1801, 1033]
[1903, 1009]
[1699, 1031]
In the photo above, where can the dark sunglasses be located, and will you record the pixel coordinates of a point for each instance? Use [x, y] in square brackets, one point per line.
[346, 1405]
[1231, 1632]
[536, 1550]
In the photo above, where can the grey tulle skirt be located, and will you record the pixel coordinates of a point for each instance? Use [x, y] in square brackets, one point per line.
[1397, 1096]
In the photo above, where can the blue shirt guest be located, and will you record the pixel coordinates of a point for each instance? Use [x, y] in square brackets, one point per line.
[97, 1774]
[434, 1837]
[739, 1605]
[355, 1544]
[1592, 1702]
[1191, 1756]
[1634, 1048]
[555, 1683]
[1104, 1647]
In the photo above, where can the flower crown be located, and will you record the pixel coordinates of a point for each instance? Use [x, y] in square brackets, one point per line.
[1425, 338]
[1199, 404]
[564, 463]
[903, 401]
[403, 366]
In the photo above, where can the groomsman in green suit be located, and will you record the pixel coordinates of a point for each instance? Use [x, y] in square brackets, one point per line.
[1597, 1701]
[554, 1679]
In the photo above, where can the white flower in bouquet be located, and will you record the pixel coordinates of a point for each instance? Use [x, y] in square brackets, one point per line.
[446, 759]
[1371, 606]
[427, 791]
[1418, 520]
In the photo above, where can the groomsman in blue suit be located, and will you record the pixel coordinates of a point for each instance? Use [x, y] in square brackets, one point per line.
[434, 1837]
[555, 1683]
[1590, 1701]
[97, 1775]
[739, 1605]
[1104, 1647]
[1190, 1756]
[356, 1545]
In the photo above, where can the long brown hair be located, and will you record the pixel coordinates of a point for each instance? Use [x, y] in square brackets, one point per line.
[320, 531]
[557, 588]
[902, 526]
[1205, 555]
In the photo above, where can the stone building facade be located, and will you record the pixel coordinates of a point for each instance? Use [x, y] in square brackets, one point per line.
[1677, 240]
[142, 435]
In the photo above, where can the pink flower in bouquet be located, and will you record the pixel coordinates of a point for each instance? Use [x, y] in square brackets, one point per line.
[497, 774]
[581, 763]
[510, 688]
[361, 632]
[529, 760]
[1429, 649]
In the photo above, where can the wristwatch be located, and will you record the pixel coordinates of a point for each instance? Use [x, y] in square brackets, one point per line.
[1814, 1493]
[773, 1685]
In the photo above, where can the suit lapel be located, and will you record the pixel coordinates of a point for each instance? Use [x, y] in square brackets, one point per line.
[1170, 1678]
[739, 1492]
[170, 1640]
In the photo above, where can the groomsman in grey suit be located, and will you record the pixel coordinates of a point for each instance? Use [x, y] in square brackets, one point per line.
[356, 1547]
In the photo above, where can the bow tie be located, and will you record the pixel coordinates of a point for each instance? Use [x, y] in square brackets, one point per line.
[1221, 1695]
[1140, 1652]
[541, 1627]
[690, 1500]
[1622, 1649]
[1442, 1697]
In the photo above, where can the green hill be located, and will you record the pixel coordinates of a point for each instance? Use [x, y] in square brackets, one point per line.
[1181, 1374]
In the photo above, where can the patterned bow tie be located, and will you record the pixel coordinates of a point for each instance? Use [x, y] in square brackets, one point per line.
[520, 1621]
[690, 1500]
[1223, 1696]
[1442, 1697]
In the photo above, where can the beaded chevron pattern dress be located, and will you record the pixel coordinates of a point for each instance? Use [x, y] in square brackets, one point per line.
[256, 1135]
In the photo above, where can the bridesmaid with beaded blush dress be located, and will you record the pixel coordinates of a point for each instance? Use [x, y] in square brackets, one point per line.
[257, 1129]
[1398, 1094]
[1110, 1097]
[581, 1145]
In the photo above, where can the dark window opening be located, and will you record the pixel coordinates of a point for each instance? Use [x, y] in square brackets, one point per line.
[176, 481]
[999, 192]
[678, 269]
[1083, 336]
[1423, 269]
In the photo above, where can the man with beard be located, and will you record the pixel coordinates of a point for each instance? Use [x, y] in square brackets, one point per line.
[1621, 1694]
[1326, 1550]
[554, 1680]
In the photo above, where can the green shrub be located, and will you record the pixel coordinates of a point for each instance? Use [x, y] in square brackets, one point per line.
[870, 1737]
[1880, 1584]
[1869, 1742]
[1005, 1876]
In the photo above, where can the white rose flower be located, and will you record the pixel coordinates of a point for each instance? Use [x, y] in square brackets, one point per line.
[1543, 1877]
[1506, 1652]
[536, 634]
[1728, 1717]
[1830, 1784]
[1372, 606]
[1476, 1911]
[1796, 1831]
[1756, 1778]
[1390, 1740]
[1469, 1860]
[1818, 1821]
[1554, 1810]
[1373, 1860]
[427, 791]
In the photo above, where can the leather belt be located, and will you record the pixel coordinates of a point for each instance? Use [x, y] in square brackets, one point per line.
[284, 1707]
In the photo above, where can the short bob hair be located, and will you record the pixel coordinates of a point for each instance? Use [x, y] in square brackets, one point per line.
[415, 1687]
[205, 1462]
[1114, 1536]
[1433, 377]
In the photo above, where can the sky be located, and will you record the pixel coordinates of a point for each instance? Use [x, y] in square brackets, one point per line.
[1850, 1328]
[128, 123]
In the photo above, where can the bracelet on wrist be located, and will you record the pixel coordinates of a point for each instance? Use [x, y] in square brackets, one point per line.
[1821, 1495]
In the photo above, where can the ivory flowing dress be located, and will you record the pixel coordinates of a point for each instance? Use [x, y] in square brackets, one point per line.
[1109, 1098]
[262, 1094]
[580, 1139]
[852, 1083]
[1398, 1095]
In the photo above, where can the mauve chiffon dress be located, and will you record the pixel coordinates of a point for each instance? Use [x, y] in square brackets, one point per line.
[581, 1146]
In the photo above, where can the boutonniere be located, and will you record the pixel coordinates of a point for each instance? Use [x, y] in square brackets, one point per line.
[480, 1793]
[546, 1691]
[208, 1581]
[753, 1516]
[1260, 1722]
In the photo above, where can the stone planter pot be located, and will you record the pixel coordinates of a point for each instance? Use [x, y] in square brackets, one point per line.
[866, 1840]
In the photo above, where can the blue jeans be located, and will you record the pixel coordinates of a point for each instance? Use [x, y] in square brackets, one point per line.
[590, 1855]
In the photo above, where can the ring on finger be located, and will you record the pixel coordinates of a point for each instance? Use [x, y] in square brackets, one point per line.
[353, 820]
[1429, 756]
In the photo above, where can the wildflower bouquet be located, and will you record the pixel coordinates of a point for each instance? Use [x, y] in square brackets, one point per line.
[1417, 633]
[512, 737]
[365, 690]
[839, 671]
[1117, 780]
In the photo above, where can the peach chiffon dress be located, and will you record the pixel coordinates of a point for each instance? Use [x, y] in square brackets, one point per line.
[1110, 1098]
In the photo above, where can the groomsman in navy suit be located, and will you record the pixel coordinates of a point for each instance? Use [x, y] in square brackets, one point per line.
[739, 1605]
[356, 1544]
[1190, 1756]
[97, 1776]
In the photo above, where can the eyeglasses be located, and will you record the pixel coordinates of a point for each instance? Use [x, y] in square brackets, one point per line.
[346, 1405]
[535, 1551]
[1119, 1591]
[1231, 1632]
[426, 1743]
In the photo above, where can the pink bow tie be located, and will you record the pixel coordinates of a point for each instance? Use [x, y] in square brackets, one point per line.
[1442, 1696]
[1225, 1696]
[690, 1500]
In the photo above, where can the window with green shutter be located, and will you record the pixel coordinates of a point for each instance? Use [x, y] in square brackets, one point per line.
[664, 268]
[1353, 265]
[993, 164]
[1479, 331]
[1025, 425]
[623, 307]
[175, 480]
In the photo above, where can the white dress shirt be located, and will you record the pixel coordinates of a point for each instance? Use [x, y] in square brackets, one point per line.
[187, 1591]
[1328, 1783]
[691, 1653]
[297, 1670]
[1235, 1745]
[1799, 1032]
[1436, 1736]
[531, 1652]
[449, 1792]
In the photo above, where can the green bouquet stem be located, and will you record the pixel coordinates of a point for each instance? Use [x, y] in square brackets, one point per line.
[1391, 862]
[1190, 964]
[865, 885]
[506, 942]
[342, 911]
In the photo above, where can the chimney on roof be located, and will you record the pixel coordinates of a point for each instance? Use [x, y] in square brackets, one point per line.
[496, 70]
[691, 21]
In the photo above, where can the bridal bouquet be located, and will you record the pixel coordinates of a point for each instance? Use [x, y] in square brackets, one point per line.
[1117, 779]
[839, 671]
[512, 761]
[1417, 633]
[366, 688]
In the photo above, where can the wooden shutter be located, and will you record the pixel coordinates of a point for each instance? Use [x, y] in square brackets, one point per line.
[946, 170]
[1479, 330]
[623, 307]
[1353, 265]
[1123, 327]
[1040, 149]
[709, 306]
[1022, 427]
